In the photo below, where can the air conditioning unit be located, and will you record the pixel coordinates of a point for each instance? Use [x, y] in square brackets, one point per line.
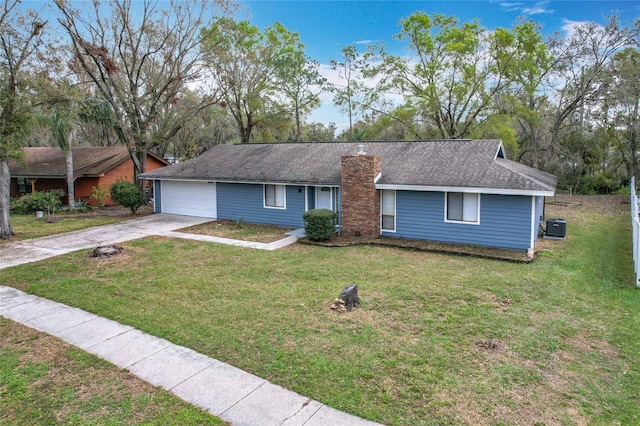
[556, 228]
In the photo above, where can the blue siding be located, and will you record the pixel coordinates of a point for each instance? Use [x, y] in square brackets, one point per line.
[157, 201]
[239, 200]
[505, 221]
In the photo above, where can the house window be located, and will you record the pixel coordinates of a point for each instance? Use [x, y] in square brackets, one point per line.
[462, 207]
[22, 185]
[274, 196]
[388, 210]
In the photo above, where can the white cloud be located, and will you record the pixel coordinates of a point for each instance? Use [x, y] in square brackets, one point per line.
[512, 7]
[521, 7]
[363, 42]
[328, 112]
[536, 10]
[569, 26]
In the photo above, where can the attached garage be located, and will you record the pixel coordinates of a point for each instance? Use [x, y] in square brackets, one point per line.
[189, 198]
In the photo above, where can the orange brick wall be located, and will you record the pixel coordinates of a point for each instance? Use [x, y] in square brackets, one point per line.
[84, 185]
[124, 171]
[83, 188]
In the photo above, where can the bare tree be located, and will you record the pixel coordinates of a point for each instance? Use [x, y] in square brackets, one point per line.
[198, 133]
[345, 96]
[580, 68]
[140, 56]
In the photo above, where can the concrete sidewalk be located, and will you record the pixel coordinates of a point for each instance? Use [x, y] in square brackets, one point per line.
[26, 251]
[234, 395]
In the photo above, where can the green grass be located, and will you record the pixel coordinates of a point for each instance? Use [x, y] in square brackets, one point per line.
[439, 339]
[45, 381]
[238, 230]
[28, 226]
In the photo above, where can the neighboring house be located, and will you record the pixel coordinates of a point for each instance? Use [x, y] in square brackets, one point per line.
[44, 169]
[455, 191]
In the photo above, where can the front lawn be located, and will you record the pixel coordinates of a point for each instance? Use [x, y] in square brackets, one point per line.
[239, 230]
[45, 381]
[439, 339]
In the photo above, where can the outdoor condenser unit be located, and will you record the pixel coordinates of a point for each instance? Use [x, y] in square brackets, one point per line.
[556, 228]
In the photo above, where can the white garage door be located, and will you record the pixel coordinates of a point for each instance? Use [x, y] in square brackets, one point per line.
[189, 198]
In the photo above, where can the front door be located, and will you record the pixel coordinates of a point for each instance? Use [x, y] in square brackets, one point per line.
[324, 197]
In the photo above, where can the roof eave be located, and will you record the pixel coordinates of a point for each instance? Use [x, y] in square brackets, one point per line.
[32, 176]
[476, 190]
[255, 182]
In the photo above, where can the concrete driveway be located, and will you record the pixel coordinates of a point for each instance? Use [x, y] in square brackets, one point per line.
[26, 251]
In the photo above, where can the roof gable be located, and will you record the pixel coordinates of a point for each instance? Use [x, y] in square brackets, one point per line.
[424, 164]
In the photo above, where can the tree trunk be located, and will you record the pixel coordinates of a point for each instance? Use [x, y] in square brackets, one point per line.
[5, 200]
[298, 125]
[70, 180]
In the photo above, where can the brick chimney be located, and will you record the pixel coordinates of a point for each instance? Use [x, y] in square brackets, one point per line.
[360, 200]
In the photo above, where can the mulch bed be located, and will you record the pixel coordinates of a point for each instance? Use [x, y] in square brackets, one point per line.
[111, 211]
[518, 256]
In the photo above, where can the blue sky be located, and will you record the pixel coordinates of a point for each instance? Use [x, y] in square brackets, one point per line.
[327, 26]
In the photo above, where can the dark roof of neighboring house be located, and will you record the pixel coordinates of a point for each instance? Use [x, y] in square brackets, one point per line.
[430, 164]
[48, 162]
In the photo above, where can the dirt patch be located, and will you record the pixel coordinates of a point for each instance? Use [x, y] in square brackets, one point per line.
[126, 257]
[496, 303]
[526, 393]
[490, 345]
[605, 204]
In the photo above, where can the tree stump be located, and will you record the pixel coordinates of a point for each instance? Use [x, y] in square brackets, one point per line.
[106, 251]
[350, 297]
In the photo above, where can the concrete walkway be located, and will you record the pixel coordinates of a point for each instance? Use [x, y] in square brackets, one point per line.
[26, 251]
[234, 395]
[240, 243]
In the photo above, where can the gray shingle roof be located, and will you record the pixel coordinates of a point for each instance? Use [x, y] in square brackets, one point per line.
[447, 163]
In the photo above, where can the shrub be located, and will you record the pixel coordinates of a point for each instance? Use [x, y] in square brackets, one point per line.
[99, 194]
[38, 201]
[599, 184]
[319, 224]
[623, 190]
[127, 194]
